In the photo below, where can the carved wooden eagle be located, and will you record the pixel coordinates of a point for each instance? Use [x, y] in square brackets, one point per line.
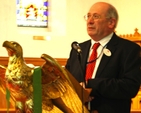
[58, 93]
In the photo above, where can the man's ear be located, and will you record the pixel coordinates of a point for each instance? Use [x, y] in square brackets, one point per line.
[112, 23]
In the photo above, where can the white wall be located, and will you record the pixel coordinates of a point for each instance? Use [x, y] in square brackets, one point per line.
[66, 25]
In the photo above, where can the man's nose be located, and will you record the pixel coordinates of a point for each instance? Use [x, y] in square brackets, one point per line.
[90, 20]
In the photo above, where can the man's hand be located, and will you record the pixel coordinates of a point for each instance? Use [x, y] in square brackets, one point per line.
[87, 90]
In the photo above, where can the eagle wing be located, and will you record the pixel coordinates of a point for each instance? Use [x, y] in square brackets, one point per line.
[56, 84]
[3, 84]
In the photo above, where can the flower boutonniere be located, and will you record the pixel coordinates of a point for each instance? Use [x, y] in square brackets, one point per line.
[107, 52]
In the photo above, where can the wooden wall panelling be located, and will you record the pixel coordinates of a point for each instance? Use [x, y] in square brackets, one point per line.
[136, 102]
[136, 37]
[34, 61]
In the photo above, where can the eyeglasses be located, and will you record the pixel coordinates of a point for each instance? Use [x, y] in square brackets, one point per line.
[94, 16]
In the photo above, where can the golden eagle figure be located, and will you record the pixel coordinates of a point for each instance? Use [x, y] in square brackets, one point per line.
[58, 93]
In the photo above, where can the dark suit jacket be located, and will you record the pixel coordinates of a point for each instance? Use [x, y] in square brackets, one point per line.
[118, 76]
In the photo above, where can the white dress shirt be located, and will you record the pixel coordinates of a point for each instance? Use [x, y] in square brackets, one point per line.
[103, 43]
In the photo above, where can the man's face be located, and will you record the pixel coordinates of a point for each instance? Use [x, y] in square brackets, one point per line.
[97, 22]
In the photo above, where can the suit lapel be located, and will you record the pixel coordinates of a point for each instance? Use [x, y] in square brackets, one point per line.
[85, 49]
[112, 45]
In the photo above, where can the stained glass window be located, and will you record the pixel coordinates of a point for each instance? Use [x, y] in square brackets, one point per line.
[32, 13]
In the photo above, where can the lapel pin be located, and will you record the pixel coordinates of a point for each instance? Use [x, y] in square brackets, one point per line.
[107, 52]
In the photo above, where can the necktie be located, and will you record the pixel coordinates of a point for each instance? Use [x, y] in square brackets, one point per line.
[92, 62]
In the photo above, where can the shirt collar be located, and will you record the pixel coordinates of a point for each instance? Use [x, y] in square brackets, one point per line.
[103, 41]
